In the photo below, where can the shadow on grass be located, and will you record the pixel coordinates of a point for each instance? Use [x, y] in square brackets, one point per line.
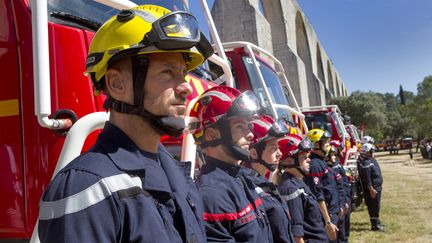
[360, 226]
[394, 161]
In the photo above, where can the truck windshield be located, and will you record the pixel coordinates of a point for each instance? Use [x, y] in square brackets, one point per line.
[353, 131]
[339, 125]
[273, 83]
[95, 12]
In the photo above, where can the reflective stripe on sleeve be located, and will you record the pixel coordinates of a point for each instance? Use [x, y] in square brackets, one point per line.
[218, 217]
[293, 195]
[88, 197]
[366, 166]
[319, 174]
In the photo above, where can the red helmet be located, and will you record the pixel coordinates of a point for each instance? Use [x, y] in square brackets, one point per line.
[292, 144]
[223, 102]
[266, 128]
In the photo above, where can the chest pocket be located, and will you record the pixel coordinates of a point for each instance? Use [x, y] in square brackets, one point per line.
[311, 206]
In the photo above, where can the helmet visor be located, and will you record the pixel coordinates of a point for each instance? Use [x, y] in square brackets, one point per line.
[177, 31]
[245, 105]
[180, 25]
[278, 129]
[305, 145]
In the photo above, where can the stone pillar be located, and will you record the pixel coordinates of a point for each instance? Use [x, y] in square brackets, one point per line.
[242, 20]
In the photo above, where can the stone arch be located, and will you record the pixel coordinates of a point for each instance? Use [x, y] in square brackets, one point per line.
[330, 78]
[320, 66]
[336, 93]
[303, 51]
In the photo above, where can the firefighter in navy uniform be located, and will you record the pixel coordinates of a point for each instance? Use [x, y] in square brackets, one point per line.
[307, 221]
[233, 211]
[342, 187]
[265, 156]
[321, 183]
[127, 187]
[371, 178]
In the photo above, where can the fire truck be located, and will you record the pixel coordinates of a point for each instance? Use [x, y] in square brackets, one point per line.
[330, 118]
[49, 115]
[354, 137]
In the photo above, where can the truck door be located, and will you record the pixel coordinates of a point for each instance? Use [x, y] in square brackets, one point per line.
[12, 215]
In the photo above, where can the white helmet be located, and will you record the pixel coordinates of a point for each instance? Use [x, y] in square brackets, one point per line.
[367, 147]
[367, 139]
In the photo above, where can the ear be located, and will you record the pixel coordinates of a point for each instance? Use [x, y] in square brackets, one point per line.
[211, 134]
[116, 84]
[253, 153]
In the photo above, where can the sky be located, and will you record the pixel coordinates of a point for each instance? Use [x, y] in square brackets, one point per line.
[374, 44]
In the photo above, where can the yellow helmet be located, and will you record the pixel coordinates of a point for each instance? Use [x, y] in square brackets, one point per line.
[316, 135]
[146, 29]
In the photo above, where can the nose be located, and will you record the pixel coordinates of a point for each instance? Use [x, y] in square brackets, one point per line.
[183, 87]
[278, 154]
[249, 136]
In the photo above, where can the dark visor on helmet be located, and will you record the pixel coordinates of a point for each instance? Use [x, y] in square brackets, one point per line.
[278, 129]
[246, 104]
[305, 145]
[177, 31]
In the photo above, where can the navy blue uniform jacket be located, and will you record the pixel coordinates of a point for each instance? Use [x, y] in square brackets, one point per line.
[117, 193]
[233, 211]
[370, 174]
[322, 184]
[276, 209]
[307, 221]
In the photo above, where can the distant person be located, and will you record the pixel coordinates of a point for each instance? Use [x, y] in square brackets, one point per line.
[372, 180]
[429, 150]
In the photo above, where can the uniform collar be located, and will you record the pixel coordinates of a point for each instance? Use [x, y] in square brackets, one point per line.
[232, 170]
[317, 156]
[129, 158]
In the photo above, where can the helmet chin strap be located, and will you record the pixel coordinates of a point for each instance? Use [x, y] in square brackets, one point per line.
[164, 125]
[270, 167]
[296, 165]
[259, 147]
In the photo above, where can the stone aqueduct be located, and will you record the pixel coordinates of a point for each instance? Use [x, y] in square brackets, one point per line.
[280, 27]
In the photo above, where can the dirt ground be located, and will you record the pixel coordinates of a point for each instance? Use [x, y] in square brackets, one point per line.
[406, 207]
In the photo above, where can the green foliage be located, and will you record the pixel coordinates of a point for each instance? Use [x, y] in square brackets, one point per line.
[389, 115]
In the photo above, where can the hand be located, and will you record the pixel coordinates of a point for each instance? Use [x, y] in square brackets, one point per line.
[373, 192]
[331, 230]
[341, 213]
[345, 209]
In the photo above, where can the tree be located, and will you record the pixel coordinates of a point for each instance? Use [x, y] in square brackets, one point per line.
[421, 109]
[389, 115]
[364, 108]
[401, 95]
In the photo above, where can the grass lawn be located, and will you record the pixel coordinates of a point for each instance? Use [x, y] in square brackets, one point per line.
[406, 204]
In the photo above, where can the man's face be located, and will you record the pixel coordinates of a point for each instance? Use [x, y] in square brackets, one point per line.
[240, 132]
[165, 87]
[325, 145]
[304, 160]
[271, 153]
